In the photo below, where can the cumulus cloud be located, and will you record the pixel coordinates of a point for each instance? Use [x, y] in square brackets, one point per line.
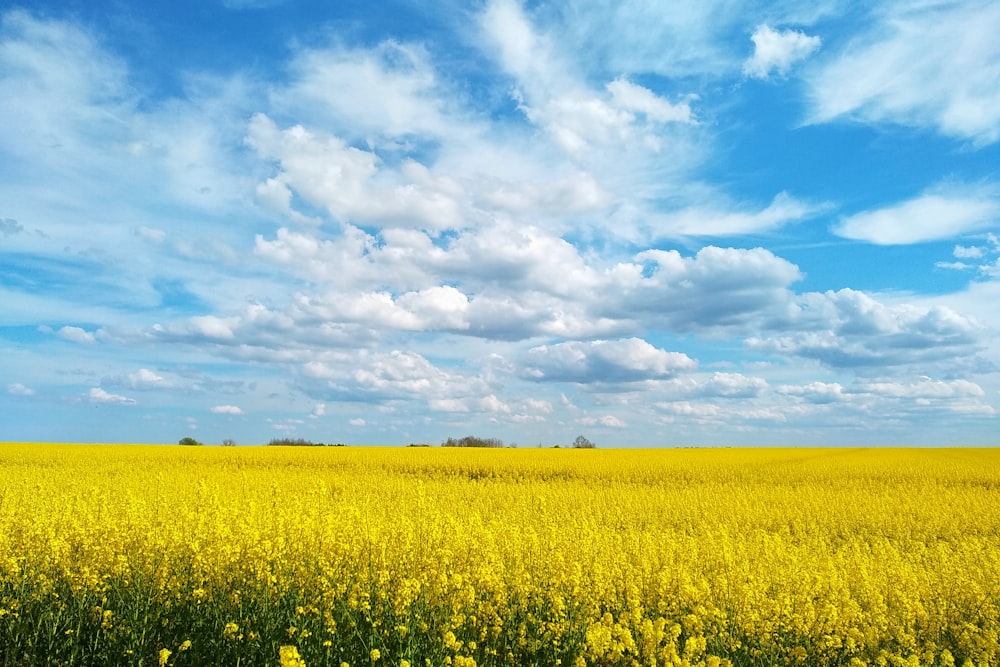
[100, 396]
[77, 335]
[627, 360]
[890, 398]
[850, 329]
[733, 385]
[920, 64]
[717, 289]
[227, 410]
[941, 213]
[512, 284]
[348, 181]
[776, 51]
[18, 389]
[815, 392]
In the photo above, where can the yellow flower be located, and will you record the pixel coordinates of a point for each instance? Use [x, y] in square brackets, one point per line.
[164, 656]
[289, 657]
[229, 632]
[185, 645]
[375, 654]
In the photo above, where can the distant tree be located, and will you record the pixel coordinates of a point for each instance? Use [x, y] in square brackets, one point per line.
[228, 442]
[189, 442]
[472, 441]
[582, 443]
[293, 442]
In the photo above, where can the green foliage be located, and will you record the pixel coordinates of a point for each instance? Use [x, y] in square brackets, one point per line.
[582, 443]
[472, 441]
[190, 442]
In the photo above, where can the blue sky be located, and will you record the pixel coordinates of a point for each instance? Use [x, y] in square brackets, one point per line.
[381, 223]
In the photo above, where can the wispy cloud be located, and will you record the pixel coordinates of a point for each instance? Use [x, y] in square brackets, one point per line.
[100, 396]
[944, 212]
[931, 65]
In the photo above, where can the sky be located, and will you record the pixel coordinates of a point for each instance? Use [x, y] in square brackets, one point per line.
[653, 224]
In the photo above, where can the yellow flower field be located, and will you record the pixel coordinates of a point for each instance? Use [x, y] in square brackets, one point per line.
[142, 555]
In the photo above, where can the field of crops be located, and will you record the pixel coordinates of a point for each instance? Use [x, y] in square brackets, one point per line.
[139, 555]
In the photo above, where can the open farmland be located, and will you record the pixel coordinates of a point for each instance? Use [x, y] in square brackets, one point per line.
[141, 555]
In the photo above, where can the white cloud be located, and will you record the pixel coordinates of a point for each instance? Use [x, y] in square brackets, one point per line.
[18, 389]
[815, 392]
[925, 388]
[145, 377]
[850, 329]
[605, 420]
[348, 181]
[141, 379]
[388, 92]
[941, 213]
[578, 119]
[717, 289]
[627, 360]
[448, 405]
[986, 264]
[77, 335]
[379, 377]
[968, 252]
[734, 385]
[776, 51]
[100, 396]
[227, 410]
[920, 64]
[697, 411]
[492, 404]
[357, 421]
[536, 405]
[53, 60]
[635, 98]
[319, 410]
[703, 221]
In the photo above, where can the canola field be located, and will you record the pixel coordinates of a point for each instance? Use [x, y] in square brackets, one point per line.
[142, 555]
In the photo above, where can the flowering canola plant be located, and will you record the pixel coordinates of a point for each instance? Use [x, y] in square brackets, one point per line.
[144, 555]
